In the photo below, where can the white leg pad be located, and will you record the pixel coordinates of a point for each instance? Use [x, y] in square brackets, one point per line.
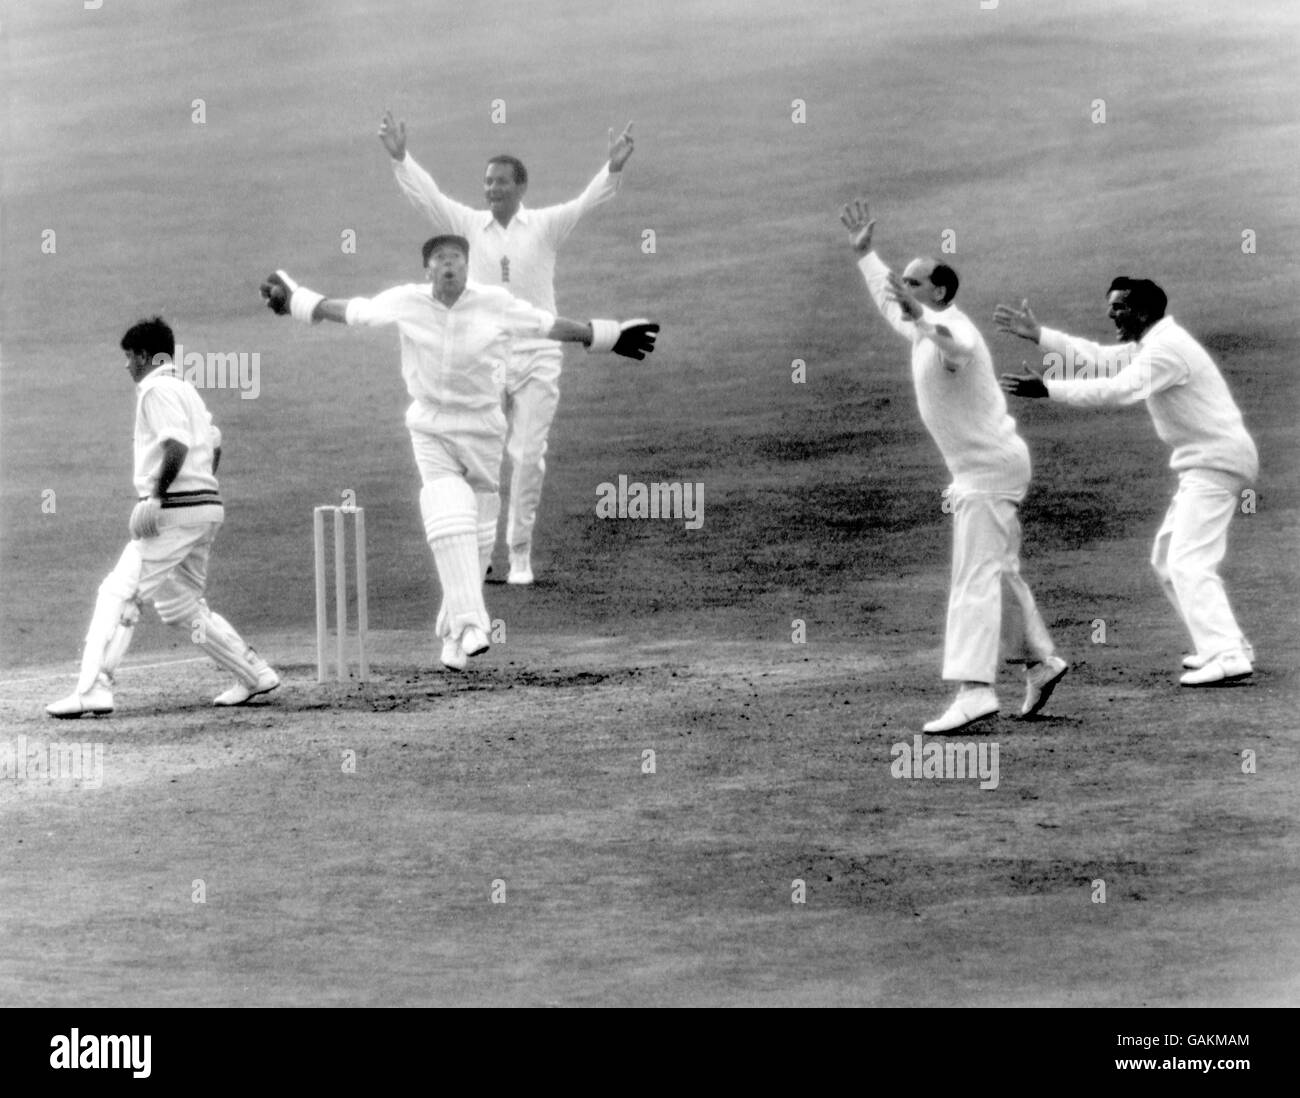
[451, 515]
[489, 508]
[217, 637]
[116, 612]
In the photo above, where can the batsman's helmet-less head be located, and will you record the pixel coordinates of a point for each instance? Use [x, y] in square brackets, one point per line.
[153, 337]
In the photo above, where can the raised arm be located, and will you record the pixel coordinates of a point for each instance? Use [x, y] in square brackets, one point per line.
[445, 214]
[561, 220]
[856, 217]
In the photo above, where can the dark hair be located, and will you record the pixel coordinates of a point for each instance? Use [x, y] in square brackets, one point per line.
[517, 165]
[435, 242]
[945, 278]
[1143, 295]
[153, 337]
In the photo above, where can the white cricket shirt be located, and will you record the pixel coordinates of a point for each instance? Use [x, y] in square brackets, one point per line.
[1189, 401]
[957, 394]
[520, 257]
[169, 407]
[453, 357]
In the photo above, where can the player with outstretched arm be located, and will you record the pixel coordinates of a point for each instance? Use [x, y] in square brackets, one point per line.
[513, 246]
[965, 412]
[173, 526]
[456, 339]
[1193, 412]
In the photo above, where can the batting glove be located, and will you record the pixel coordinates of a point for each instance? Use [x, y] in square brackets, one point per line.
[629, 338]
[144, 518]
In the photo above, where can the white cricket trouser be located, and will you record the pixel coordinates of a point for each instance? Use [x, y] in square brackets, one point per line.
[1192, 541]
[985, 556]
[468, 445]
[173, 576]
[178, 556]
[532, 396]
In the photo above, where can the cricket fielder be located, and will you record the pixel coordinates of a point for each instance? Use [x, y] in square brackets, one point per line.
[514, 247]
[173, 526]
[456, 338]
[965, 412]
[1193, 412]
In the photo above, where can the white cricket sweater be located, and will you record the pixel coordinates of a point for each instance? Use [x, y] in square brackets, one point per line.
[957, 394]
[1189, 401]
[169, 407]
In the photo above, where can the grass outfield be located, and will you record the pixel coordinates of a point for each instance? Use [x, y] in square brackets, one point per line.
[821, 499]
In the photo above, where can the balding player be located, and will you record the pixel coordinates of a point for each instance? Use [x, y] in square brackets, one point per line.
[962, 406]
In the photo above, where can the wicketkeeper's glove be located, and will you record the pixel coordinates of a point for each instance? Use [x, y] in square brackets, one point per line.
[629, 338]
[283, 295]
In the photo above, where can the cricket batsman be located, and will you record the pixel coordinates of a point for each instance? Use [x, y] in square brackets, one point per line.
[173, 526]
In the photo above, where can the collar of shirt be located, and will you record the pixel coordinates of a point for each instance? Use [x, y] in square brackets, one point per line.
[472, 292]
[159, 371]
[1155, 329]
[522, 215]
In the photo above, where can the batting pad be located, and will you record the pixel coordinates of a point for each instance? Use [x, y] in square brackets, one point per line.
[451, 515]
[115, 612]
[217, 637]
[489, 508]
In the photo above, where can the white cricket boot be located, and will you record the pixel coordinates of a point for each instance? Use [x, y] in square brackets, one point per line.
[1040, 681]
[973, 703]
[97, 701]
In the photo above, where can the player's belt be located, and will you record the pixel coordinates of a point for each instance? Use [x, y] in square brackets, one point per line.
[203, 497]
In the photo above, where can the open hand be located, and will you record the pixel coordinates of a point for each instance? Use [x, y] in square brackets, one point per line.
[1018, 322]
[393, 134]
[620, 148]
[856, 217]
[896, 292]
[1023, 385]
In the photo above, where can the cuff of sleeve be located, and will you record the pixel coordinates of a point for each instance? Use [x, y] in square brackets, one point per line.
[604, 334]
[303, 304]
[1055, 390]
[352, 312]
[1050, 339]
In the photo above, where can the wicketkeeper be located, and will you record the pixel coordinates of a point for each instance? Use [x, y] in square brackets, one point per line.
[515, 247]
[456, 338]
[173, 526]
